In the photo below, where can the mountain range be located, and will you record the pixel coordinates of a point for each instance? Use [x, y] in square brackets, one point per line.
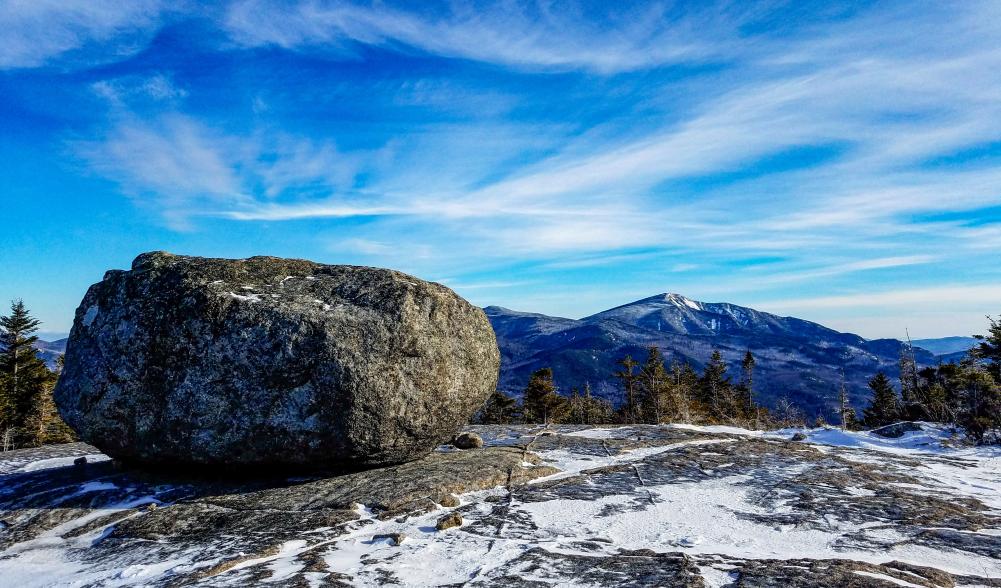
[50, 351]
[948, 349]
[796, 359]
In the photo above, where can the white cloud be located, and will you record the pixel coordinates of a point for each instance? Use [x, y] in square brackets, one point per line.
[777, 275]
[120, 92]
[188, 169]
[532, 35]
[35, 31]
[941, 298]
[175, 155]
[927, 311]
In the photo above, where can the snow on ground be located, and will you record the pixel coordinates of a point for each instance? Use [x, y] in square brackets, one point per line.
[59, 462]
[713, 515]
[570, 463]
[610, 433]
[693, 517]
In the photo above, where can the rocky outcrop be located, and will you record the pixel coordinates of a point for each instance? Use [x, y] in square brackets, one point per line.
[629, 506]
[272, 362]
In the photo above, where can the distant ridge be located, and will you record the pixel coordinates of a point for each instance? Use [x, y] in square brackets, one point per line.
[947, 345]
[798, 359]
[50, 351]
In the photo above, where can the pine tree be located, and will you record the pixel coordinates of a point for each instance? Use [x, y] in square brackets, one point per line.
[715, 389]
[684, 386]
[884, 408]
[499, 409]
[44, 425]
[597, 411]
[540, 402]
[578, 413]
[653, 387]
[947, 377]
[988, 350]
[25, 377]
[746, 387]
[628, 377]
[980, 403]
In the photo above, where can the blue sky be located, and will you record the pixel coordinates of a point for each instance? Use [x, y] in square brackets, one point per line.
[833, 161]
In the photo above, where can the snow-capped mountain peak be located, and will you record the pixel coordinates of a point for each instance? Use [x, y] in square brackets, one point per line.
[682, 302]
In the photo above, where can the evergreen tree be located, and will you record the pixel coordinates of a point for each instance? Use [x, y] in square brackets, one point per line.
[586, 409]
[628, 377]
[44, 425]
[576, 415]
[540, 402]
[715, 389]
[25, 378]
[939, 393]
[499, 409]
[597, 411]
[849, 420]
[884, 408]
[746, 387]
[684, 386]
[988, 350]
[653, 388]
[980, 403]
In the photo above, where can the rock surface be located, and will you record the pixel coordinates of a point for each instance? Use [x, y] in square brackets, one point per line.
[273, 362]
[632, 506]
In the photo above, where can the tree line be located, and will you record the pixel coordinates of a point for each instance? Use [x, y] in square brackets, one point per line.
[965, 394]
[28, 415]
[653, 392]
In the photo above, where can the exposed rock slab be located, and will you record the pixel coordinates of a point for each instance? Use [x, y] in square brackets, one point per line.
[630, 506]
[272, 362]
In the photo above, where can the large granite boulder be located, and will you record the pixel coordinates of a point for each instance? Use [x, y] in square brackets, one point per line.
[272, 362]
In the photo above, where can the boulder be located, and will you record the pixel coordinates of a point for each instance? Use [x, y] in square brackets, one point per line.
[272, 362]
[396, 539]
[897, 430]
[448, 521]
[467, 440]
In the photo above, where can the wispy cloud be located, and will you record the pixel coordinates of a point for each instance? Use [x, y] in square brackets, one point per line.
[176, 160]
[925, 311]
[780, 276]
[530, 35]
[36, 31]
[941, 298]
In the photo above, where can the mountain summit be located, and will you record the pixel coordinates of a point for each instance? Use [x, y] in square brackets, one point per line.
[796, 359]
[677, 314]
